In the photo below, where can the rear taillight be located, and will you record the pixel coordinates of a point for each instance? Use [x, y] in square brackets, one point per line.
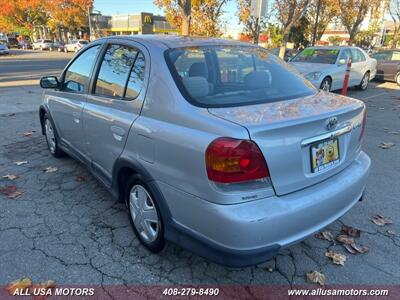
[231, 160]
[364, 122]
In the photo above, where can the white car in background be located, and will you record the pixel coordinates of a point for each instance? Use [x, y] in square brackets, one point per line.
[75, 45]
[42, 44]
[325, 67]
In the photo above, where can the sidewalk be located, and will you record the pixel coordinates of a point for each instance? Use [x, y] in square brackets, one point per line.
[18, 99]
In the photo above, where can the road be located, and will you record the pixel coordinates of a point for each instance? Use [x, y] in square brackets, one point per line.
[73, 232]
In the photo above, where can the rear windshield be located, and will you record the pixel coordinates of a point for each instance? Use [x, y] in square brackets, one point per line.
[220, 76]
[320, 56]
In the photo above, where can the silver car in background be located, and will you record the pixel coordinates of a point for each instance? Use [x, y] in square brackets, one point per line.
[325, 67]
[214, 145]
[75, 45]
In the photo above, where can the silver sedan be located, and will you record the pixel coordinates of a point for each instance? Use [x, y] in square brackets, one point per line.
[325, 67]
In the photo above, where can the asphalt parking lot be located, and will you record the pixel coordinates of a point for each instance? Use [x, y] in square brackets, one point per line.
[64, 226]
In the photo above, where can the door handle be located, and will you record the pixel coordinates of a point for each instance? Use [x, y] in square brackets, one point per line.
[118, 132]
[76, 117]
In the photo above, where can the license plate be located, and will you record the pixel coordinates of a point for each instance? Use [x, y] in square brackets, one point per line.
[324, 154]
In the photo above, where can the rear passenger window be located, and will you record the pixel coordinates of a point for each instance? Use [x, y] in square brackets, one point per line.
[77, 76]
[396, 55]
[356, 55]
[136, 78]
[115, 68]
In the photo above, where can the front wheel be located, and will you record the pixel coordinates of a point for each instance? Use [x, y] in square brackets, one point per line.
[326, 84]
[51, 138]
[364, 82]
[398, 79]
[145, 216]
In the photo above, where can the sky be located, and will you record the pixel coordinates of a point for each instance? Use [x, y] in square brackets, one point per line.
[122, 7]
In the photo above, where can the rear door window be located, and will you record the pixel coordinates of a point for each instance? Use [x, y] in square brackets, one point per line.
[396, 55]
[77, 76]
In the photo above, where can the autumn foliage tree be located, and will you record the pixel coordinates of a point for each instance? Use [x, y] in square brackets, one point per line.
[353, 13]
[251, 25]
[203, 16]
[24, 15]
[394, 11]
[328, 9]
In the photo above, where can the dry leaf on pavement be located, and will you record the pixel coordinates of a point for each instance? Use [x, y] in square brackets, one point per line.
[10, 191]
[22, 162]
[80, 178]
[19, 284]
[381, 220]
[10, 177]
[337, 258]
[28, 133]
[345, 240]
[51, 169]
[316, 277]
[359, 249]
[325, 235]
[350, 231]
[386, 145]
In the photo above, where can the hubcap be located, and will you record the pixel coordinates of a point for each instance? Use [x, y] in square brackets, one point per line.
[51, 140]
[326, 86]
[144, 214]
[365, 81]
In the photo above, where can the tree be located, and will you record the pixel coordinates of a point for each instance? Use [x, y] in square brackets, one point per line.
[198, 17]
[289, 13]
[251, 25]
[353, 13]
[394, 11]
[328, 9]
[298, 34]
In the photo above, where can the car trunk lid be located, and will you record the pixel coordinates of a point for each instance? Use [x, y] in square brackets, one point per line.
[292, 133]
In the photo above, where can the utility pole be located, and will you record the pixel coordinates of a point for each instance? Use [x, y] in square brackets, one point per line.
[90, 24]
[316, 23]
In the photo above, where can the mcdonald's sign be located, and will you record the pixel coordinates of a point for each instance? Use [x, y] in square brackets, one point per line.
[147, 19]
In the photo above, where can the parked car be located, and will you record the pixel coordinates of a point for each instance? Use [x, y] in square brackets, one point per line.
[4, 48]
[58, 46]
[388, 65]
[13, 43]
[325, 67]
[42, 44]
[233, 168]
[75, 45]
[4, 40]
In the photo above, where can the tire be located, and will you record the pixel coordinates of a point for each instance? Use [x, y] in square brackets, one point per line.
[51, 138]
[398, 78]
[364, 82]
[326, 84]
[140, 200]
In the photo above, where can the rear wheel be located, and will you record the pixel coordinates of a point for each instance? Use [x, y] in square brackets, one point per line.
[398, 79]
[326, 84]
[364, 82]
[51, 138]
[144, 214]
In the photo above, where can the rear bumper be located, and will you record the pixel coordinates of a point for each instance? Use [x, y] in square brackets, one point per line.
[252, 232]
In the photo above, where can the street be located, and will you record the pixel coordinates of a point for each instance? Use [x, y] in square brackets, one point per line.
[66, 226]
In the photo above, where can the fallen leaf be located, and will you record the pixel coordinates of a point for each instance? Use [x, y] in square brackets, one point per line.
[10, 177]
[51, 169]
[345, 240]
[10, 191]
[391, 232]
[270, 270]
[19, 284]
[349, 248]
[80, 178]
[337, 258]
[394, 132]
[359, 249]
[28, 133]
[325, 235]
[316, 277]
[19, 163]
[351, 231]
[381, 220]
[386, 145]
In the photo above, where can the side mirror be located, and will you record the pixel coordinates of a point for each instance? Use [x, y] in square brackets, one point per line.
[342, 61]
[49, 82]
